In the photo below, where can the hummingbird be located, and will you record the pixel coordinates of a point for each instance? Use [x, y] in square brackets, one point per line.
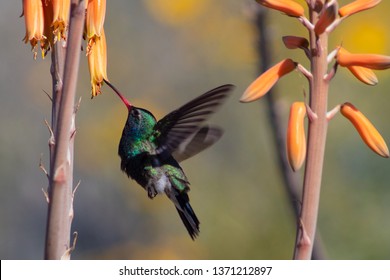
[151, 150]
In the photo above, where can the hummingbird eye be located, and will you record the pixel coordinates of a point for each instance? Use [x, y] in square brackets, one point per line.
[135, 113]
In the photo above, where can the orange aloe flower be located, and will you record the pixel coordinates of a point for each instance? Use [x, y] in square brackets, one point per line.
[326, 18]
[366, 129]
[97, 62]
[266, 81]
[47, 29]
[96, 12]
[372, 61]
[296, 141]
[61, 11]
[365, 75]
[294, 42]
[34, 21]
[288, 7]
[357, 6]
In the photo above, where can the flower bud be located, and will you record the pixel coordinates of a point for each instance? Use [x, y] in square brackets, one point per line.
[357, 6]
[267, 80]
[288, 7]
[366, 129]
[365, 75]
[294, 42]
[326, 18]
[372, 61]
[296, 140]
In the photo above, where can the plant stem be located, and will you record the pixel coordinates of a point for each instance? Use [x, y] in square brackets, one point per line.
[317, 130]
[291, 179]
[60, 212]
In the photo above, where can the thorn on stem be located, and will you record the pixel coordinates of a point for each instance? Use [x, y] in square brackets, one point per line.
[310, 114]
[52, 138]
[304, 239]
[66, 255]
[42, 167]
[75, 188]
[48, 95]
[77, 106]
[46, 195]
[59, 174]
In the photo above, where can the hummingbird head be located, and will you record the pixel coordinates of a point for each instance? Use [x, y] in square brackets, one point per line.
[124, 100]
[139, 122]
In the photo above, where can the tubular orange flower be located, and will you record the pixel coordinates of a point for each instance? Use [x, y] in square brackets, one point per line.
[97, 62]
[96, 12]
[267, 80]
[47, 29]
[326, 18]
[34, 21]
[296, 140]
[357, 6]
[294, 42]
[61, 10]
[372, 61]
[366, 129]
[288, 7]
[365, 75]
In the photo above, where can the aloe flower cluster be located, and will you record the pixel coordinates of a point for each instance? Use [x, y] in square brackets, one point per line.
[47, 22]
[360, 65]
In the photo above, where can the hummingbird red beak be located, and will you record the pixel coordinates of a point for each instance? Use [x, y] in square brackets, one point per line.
[127, 103]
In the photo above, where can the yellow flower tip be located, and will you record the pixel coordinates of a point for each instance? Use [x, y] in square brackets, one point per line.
[357, 6]
[371, 61]
[97, 64]
[96, 12]
[96, 88]
[60, 22]
[366, 129]
[296, 140]
[294, 42]
[365, 75]
[326, 18]
[288, 7]
[266, 81]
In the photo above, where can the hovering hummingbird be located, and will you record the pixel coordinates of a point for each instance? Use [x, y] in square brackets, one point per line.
[150, 150]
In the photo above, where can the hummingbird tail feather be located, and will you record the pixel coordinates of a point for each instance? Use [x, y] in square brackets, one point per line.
[187, 214]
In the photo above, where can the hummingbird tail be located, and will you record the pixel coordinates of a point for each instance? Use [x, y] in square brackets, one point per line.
[187, 215]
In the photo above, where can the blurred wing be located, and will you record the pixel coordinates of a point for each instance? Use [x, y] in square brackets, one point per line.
[180, 124]
[201, 140]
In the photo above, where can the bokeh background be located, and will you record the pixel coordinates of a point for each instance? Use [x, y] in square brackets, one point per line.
[162, 53]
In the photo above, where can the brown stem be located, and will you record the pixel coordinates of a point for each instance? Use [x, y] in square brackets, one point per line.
[60, 212]
[291, 179]
[317, 130]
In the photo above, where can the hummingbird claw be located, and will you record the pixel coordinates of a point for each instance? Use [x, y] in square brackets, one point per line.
[151, 192]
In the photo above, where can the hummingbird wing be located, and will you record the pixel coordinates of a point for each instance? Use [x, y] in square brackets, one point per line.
[199, 141]
[177, 126]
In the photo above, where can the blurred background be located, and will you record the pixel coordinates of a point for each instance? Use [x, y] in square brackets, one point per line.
[161, 54]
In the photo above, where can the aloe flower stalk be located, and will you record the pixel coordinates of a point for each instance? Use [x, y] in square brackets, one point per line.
[324, 17]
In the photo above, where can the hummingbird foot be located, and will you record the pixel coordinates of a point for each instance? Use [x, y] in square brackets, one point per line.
[151, 192]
